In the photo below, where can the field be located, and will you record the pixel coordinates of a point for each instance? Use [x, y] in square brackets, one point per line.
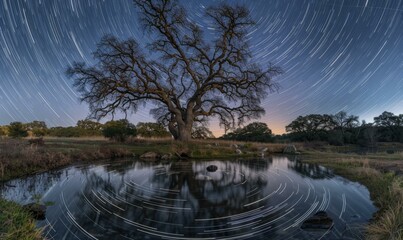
[379, 171]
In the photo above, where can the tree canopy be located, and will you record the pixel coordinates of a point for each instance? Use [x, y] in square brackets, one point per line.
[388, 119]
[310, 127]
[256, 131]
[17, 130]
[89, 128]
[332, 128]
[150, 129]
[37, 128]
[201, 132]
[3, 130]
[187, 78]
[119, 130]
[342, 121]
[390, 127]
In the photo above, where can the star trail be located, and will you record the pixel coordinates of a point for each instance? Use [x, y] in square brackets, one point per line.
[337, 55]
[251, 199]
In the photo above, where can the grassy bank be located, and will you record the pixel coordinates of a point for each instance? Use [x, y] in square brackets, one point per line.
[377, 173]
[19, 158]
[16, 224]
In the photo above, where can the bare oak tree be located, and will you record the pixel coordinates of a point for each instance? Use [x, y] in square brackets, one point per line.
[187, 78]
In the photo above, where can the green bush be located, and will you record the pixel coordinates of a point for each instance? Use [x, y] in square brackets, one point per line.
[17, 130]
[119, 130]
[150, 129]
[64, 132]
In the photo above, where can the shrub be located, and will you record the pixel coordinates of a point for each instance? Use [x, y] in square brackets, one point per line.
[17, 130]
[150, 129]
[336, 138]
[119, 130]
[64, 132]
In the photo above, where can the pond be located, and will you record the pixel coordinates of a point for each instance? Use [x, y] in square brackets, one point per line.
[216, 199]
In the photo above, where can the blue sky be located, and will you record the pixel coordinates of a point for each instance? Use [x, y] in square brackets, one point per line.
[337, 55]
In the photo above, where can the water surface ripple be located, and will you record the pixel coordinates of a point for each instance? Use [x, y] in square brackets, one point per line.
[239, 199]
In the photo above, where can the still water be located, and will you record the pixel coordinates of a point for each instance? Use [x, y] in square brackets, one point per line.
[235, 199]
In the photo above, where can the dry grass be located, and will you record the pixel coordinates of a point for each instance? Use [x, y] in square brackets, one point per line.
[75, 139]
[389, 223]
[18, 158]
[386, 190]
[247, 146]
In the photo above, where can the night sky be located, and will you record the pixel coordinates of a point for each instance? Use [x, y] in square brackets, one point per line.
[337, 55]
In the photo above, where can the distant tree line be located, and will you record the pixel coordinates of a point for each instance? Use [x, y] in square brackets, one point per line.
[341, 128]
[255, 132]
[118, 130]
[338, 129]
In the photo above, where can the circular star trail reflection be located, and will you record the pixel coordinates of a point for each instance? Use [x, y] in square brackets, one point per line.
[256, 199]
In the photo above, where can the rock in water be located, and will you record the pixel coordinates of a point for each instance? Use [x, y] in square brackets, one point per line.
[212, 168]
[37, 211]
[185, 155]
[319, 221]
[290, 149]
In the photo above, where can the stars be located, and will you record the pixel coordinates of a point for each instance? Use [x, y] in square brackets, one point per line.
[349, 51]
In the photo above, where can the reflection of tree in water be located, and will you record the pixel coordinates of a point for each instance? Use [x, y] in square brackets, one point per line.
[211, 195]
[91, 209]
[138, 199]
[175, 198]
[122, 167]
[314, 171]
[23, 189]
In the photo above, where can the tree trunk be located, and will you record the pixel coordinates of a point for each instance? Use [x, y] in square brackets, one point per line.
[180, 132]
[173, 129]
[184, 132]
[180, 128]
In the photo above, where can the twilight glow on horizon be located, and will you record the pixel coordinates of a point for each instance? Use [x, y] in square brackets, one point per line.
[336, 55]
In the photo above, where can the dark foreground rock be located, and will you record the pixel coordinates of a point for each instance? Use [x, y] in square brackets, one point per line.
[183, 155]
[37, 211]
[319, 221]
[212, 168]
